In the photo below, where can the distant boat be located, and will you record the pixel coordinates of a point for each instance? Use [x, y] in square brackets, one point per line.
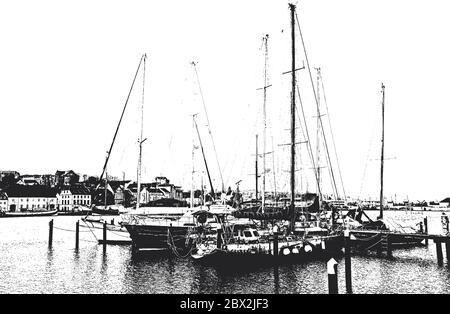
[28, 214]
[107, 210]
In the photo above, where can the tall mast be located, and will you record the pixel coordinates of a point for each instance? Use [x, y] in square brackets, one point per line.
[263, 201]
[382, 150]
[192, 174]
[292, 209]
[138, 200]
[256, 169]
[318, 136]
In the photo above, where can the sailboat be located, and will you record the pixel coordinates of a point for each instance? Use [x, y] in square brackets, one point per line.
[151, 231]
[262, 245]
[278, 209]
[381, 224]
[115, 231]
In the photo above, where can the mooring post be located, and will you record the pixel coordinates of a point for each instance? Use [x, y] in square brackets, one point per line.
[275, 244]
[380, 246]
[332, 276]
[219, 238]
[348, 262]
[77, 234]
[439, 252]
[104, 236]
[425, 224]
[388, 246]
[50, 233]
[447, 251]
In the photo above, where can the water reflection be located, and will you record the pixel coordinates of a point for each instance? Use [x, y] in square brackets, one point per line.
[276, 280]
[29, 266]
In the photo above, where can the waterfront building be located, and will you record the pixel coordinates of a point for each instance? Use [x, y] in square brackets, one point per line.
[30, 198]
[68, 177]
[122, 194]
[445, 202]
[74, 196]
[169, 190]
[5, 173]
[3, 202]
[8, 178]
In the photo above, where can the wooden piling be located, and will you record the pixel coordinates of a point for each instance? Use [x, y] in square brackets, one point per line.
[104, 236]
[77, 235]
[425, 224]
[439, 253]
[348, 262]
[380, 247]
[388, 246]
[332, 276]
[50, 233]
[219, 238]
[447, 251]
[275, 244]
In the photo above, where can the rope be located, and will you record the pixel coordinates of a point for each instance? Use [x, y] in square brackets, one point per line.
[209, 129]
[120, 120]
[332, 136]
[173, 247]
[370, 238]
[315, 97]
[67, 229]
[89, 241]
[374, 245]
[120, 235]
[90, 230]
[308, 140]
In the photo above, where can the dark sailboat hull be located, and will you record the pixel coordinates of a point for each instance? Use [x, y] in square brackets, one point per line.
[367, 241]
[105, 212]
[286, 255]
[158, 237]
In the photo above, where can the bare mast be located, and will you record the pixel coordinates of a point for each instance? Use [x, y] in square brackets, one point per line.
[318, 139]
[193, 170]
[263, 200]
[292, 206]
[382, 150]
[138, 200]
[256, 169]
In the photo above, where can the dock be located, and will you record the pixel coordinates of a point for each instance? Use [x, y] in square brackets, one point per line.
[385, 241]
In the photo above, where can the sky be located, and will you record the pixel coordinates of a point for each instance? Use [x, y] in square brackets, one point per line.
[66, 68]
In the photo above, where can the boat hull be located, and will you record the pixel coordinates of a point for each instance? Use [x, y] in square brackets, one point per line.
[159, 237]
[263, 253]
[367, 241]
[28, 214]
[115, 233]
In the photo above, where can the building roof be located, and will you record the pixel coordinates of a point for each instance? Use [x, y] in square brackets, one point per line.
[79, 190]
[155, 191]
[164, 190]
[65, 173]
[446, 200]
[115, 184]
[30, 191]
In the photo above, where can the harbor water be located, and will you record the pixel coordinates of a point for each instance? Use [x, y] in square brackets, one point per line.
[28, 265]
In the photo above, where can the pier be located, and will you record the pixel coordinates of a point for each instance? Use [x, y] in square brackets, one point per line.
[386, 240]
